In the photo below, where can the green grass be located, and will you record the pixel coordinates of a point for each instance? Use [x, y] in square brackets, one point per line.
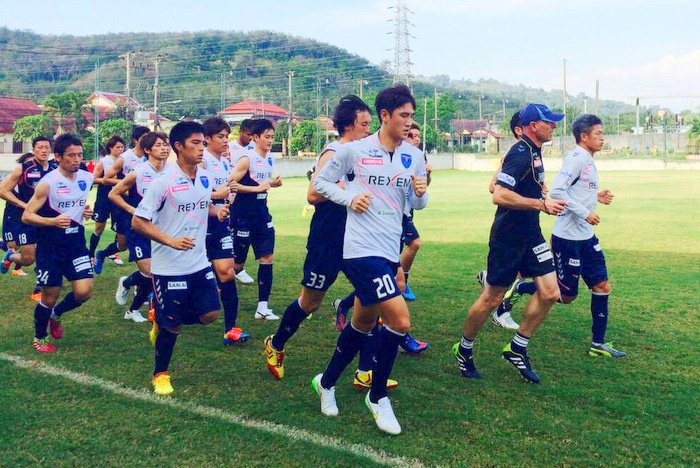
[640, 410]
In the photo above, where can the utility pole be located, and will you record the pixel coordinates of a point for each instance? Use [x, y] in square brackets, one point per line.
[290, 75]
[127, 57]
[402, 60]
[96, 110]
[425, 120]
[361, 82]
[222, 104]
[597, 101]
[156, 124]
[637, 119]
[563, 130]
[481, 117]
[435, 106]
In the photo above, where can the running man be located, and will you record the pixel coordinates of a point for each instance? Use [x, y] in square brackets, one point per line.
[516, 244]
[173, 214]
[576, 248]
[251, 221]
[58, 208]
[104, 208]
[11, 220]
[324, 257]
[134, 186]
[219, 240]
[389, 174]
[18, 189]
[236, 148]
[125, 163]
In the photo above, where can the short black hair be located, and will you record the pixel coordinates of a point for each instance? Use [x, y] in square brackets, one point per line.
[112, 142]
[182, 131]
[515, 122]
[138, 131]
[414, 126]
[214, 125]
[246, 124]
[390, 99]
[149, 139]
[259, 126]
[64, 141]
[24, 157]
[346, 112]
[584, 124]
[40, 138]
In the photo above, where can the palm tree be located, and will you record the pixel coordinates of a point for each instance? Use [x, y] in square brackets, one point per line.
[67, 104]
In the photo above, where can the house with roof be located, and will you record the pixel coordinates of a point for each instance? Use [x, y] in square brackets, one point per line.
[11, 110]
[248, 109]
[110, 103]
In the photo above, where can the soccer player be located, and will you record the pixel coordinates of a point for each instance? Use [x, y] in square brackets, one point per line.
[219, 240]
[58, 208]
[17, 189]
[576, 248]
[173, 214]
[236, 148]
[10, 222]
[516, 244]
[134, 186]
[389, 174]
[324, 247]
[501, 316]
[104, 208]
[252, 223]
[125, 163]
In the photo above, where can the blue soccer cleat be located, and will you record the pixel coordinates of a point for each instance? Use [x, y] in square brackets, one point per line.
[99, 262]
[408, 294]
[6, 263]
[522, 363]
[465, 364]
[411, 345]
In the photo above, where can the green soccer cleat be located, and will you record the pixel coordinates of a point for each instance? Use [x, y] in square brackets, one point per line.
[605, 350]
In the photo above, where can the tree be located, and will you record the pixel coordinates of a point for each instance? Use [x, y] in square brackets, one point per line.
[304, 137]
[68, 104]
[119, 127]
[32, 126]
[694, 131]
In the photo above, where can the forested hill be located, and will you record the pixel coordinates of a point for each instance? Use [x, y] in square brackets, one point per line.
[194, 68]
[191, 67]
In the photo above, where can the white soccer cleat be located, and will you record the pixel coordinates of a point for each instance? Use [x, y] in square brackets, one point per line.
[383, 415]
[122, 293]
[504, 320]
[116, 259]
[328, 404]
[244, 278]
[265, 314]
[135, 316]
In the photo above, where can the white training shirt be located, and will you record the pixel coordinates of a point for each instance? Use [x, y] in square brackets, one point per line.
[179, 207]
[107, 163]
[577, 185]
[67, 196]
[236, 151]
[145, 175]
[130, 160]
[220, 169]
[376, 232]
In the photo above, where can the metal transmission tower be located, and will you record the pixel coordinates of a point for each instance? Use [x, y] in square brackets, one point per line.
[402, 59]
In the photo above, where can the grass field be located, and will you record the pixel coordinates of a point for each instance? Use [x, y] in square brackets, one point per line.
[642, 410]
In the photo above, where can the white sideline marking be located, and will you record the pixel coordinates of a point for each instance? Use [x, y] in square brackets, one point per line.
[290, 432]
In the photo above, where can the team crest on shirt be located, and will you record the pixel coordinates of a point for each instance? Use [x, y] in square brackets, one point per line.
[406, 160]
[82, 184]
[269, 160]
[205, 181]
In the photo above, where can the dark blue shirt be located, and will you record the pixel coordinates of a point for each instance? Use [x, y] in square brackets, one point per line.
[523, 173]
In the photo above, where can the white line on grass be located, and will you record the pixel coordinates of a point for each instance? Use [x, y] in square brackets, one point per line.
[290, 432]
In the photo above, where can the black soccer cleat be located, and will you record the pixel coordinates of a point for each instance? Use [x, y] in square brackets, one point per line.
[522, 363]
[465, 364]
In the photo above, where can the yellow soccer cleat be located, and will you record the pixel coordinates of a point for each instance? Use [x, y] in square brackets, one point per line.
[161, 384]
[275, 359]
[363, 381]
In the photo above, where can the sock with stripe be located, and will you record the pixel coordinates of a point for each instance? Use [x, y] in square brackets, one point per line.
[41, 320]
[599, 312]
[349, 343]
[466, 347]
[519, 343]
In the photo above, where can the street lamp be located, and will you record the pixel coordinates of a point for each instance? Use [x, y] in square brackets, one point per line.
[662, 116]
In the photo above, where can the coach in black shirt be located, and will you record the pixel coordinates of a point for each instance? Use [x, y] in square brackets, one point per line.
[516, 244]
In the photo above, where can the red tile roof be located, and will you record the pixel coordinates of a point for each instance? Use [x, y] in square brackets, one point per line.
[256, 108]
[12, 109]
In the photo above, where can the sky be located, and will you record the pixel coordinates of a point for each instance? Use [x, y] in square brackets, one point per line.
[634, 48]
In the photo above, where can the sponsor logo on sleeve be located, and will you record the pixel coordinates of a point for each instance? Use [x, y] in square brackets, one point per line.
[506, 179]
